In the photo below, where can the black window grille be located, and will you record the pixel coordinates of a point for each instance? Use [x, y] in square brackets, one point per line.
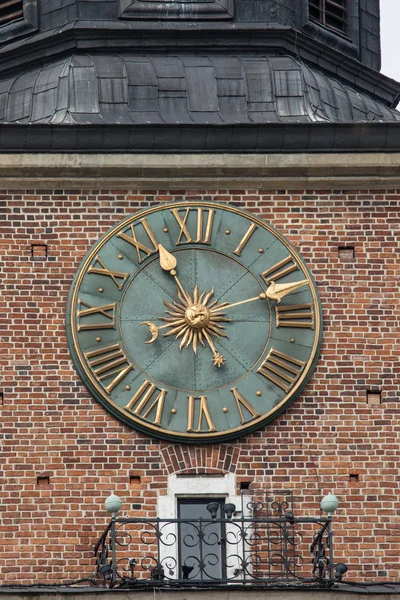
[201, 542]
[331, 13]
[11, 10]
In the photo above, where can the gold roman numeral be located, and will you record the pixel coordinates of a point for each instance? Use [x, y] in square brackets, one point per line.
[245, 239]
[281, 369]
[296, 315]
[140, 247]
[242, 402]
[203, 412]
[280, 269]
[109, 363]
[143, 402]
[201, 236]
[107, 311]
[115, 275]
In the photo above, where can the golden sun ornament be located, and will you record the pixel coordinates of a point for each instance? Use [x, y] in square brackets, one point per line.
[196, 319]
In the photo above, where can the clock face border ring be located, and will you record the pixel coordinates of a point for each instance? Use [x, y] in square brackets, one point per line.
[148, 429]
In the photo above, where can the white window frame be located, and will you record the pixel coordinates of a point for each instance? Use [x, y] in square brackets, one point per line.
[201, 486]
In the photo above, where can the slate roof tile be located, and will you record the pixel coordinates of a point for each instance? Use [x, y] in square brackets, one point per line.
[109, 66]
[171, 84]
[141, 72]
[231, 87]
[44, 105]
[201, 97]
[226, 67]
[48, 78]
[84, 91]
[169, 66]
[175, 110]
[19, 105]
[113, 90]
[115, 113]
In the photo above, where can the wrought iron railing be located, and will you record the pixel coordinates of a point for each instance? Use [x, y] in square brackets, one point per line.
[260, 543]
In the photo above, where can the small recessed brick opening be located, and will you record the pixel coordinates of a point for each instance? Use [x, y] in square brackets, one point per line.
[374, 397]
[43, 481]
[346, 253]
[353, 478]
[134, 481]
[1, 399]
[245, 485]
[39, 251]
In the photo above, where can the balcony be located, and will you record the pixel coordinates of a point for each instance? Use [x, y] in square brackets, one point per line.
[261, 543]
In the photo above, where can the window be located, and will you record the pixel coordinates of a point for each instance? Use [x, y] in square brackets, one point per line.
[11, 10]
[331, 13]
[188, 498]
[201, 553]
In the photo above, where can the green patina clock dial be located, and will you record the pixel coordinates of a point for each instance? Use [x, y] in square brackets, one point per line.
[194, 322]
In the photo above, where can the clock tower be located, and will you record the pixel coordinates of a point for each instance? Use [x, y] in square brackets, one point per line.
[199, 246]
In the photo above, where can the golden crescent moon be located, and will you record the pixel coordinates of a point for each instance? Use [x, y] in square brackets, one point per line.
[153, 330]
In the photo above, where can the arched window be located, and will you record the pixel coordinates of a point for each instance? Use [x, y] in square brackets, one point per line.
[11, 10]
[330, 13]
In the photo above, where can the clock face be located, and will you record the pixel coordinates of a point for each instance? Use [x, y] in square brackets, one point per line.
[194, 322]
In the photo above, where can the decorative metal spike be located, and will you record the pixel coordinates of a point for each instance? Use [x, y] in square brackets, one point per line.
[190, 338]
[185, 337]
[176, 330]
[195, 340]
[201, 338]
[173, 321]
[196, 294]
[209, 295]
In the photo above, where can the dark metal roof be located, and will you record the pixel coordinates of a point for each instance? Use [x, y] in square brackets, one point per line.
[207, 88]
[197, 138]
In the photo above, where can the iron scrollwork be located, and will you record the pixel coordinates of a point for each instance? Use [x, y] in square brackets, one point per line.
[262, 543]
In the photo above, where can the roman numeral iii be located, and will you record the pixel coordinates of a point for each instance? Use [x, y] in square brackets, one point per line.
[296, 315]
[204, 225]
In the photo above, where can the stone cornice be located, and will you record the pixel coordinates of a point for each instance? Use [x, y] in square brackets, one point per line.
[200, 171]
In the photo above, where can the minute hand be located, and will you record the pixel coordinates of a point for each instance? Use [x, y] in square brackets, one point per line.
[276, 291]
[168, 263]
[222, 307]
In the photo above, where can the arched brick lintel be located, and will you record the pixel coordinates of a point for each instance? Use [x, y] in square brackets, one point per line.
[210, 460]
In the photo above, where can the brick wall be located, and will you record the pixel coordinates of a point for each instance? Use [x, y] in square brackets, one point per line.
[62, 454]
